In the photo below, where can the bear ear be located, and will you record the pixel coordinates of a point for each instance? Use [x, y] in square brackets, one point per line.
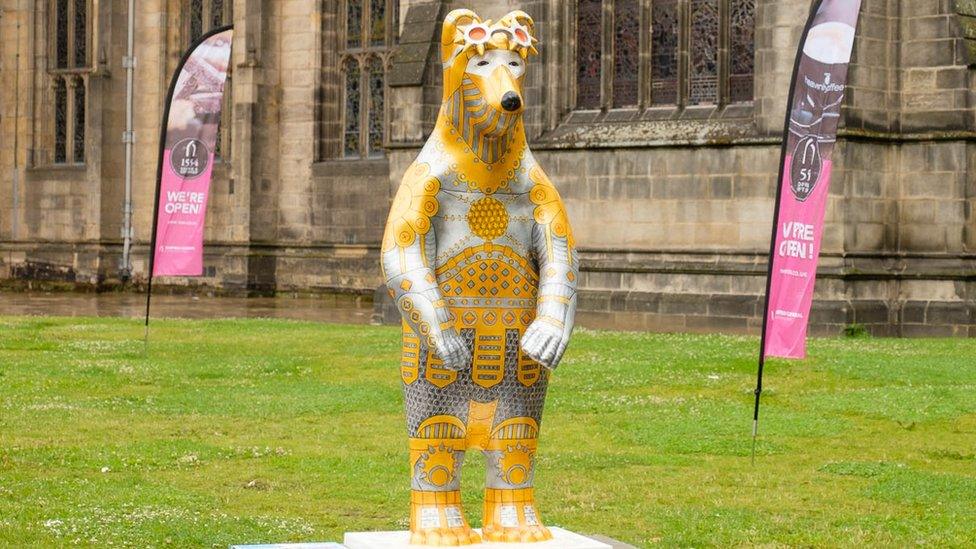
[518, 18]
[450, 32]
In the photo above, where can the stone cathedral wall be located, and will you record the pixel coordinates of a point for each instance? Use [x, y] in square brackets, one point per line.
[672, 207]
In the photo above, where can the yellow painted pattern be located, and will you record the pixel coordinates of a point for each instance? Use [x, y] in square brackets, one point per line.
[436, 516]
[410, 356]
[436, 374]
[443, 426]
[474, 173]
[549, 210]
[445, 508]
[415, 203]
[473, 288]
[511, 516]
[529, 370]
[457, 48]
[480, 418]
[516, 462]
[489, 289]
[516, 428]
[488, 218]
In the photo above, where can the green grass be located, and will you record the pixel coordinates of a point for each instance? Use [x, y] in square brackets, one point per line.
[266, 430]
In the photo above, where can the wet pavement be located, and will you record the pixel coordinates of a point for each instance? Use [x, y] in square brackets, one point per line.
[336, 309]
[342, 309]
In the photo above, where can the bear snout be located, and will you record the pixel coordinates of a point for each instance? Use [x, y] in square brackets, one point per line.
[511, 101]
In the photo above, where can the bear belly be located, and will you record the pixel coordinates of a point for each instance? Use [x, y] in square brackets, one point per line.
[491, 293]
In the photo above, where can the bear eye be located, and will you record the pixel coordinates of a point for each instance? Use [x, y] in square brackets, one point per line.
[514, 63]
[483, 63]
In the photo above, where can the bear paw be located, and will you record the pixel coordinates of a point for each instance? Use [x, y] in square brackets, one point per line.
[516, 534]
[445, 537]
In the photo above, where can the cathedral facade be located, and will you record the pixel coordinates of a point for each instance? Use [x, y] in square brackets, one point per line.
[659, 121]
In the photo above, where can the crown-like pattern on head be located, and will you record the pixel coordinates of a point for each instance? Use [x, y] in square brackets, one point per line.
[464, 30]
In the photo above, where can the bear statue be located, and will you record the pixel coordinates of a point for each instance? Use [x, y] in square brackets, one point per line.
[479, 257]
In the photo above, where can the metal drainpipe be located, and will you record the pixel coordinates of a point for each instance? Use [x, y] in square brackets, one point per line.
[15, 210]
[128, 139]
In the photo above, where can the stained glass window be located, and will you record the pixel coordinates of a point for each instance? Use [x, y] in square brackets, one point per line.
[196, 20]
[742, 34]
[371, 29]
[68, 65]
[351, 138]
[80, 33]
[375, 105]
[61, 32]
[78, 135]
[589, 53]
[354, 23]
[703, 69]
[691, 46]
[203, 16]
[396, 21]
[217, 14]
[60, 121]
[626, 53]
[664, 52]
[377, 23]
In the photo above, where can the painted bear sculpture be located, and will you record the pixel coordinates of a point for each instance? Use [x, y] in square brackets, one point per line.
[479, 257]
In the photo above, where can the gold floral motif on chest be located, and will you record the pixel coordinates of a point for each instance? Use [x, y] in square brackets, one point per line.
[488, 218]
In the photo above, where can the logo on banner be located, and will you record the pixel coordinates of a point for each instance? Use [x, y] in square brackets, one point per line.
[806, 168]
[827, 86]
[189, 158]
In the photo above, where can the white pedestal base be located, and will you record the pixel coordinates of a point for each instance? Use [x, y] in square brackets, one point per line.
[561, 539]
[291, 546]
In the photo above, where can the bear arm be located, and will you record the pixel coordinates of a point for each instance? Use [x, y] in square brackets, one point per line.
[558, 277]
[413, 286]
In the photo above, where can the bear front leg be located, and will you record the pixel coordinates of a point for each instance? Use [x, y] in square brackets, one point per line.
[546, 338]
[409, 242]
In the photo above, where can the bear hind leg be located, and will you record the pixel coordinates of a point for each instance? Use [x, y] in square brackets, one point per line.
[510, 512]
[436, 515]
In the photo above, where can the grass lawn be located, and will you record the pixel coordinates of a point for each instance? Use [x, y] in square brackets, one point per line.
[265, 430]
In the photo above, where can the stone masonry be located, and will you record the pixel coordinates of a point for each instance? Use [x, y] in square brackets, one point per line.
[672, 206]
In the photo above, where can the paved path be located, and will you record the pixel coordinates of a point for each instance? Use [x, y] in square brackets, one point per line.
[325, 309]
[329, 308]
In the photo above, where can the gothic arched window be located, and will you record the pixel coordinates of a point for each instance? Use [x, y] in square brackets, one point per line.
[665, 29]
[60, 121]
[626, 53]
[368, 32]
[636, 53]
[352, 137]
[742, 29]
[68, 69]
[703, 63]
[589, 53]
[205, 15]
[202, 16]
[376, 97]
[78, 120]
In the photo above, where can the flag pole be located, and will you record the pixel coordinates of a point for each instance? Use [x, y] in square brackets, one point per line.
[159, 167]
[772, 240]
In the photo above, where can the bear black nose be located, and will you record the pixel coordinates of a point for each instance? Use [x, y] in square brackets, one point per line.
[511, 101]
